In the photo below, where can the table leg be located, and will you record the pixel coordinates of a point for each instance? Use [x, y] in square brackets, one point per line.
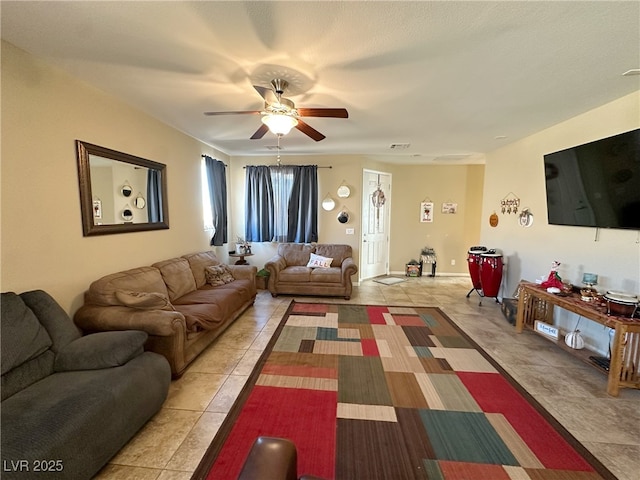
[521, 311]
[241, 261]
[615, 362]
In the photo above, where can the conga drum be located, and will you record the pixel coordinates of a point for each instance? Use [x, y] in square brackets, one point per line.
[491, 272]
[473, 259]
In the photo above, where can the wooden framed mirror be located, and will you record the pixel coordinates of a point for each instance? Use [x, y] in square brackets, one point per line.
[102, 172]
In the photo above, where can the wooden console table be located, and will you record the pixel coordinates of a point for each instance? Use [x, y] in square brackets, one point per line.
[535, 303]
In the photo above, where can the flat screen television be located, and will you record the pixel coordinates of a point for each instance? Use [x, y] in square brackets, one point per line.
[596, 184]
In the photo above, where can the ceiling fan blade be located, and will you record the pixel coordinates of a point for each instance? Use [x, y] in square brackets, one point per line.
[323, 112]
[260, 132]
[310, 131]
[249, 112]
[267, 94]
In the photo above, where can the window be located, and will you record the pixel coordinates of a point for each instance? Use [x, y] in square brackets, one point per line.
[281, 203]
[282, 181]
[207, 213]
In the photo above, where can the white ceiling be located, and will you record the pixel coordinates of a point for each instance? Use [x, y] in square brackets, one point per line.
[446, 77]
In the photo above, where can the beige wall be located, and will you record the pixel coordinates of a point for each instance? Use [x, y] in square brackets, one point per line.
[612, 254]
[449, 235]
[43, 112]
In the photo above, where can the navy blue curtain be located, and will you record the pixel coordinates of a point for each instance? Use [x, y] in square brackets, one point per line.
[154, 195]
[259, 204]
[217, 182]
[303, 205]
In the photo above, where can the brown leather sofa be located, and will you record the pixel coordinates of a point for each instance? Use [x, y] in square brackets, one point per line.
[289, 273]
[171, 301]
[272, 458]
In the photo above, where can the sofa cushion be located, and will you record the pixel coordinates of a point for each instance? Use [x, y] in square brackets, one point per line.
[144, 300]
[336, 251]
[52, 317]
[326, 275]
[295, 274]
[177, 276]
[25, 346]
[198, 262]
[218, 275]
[143, 279]
[296, 253]
[23, 337]
[101, 350]
[207, 307]
[318, 261]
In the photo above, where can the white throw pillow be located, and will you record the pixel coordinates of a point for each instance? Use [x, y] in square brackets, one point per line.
[318, 261]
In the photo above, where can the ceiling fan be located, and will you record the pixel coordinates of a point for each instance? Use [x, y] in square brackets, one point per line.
[280, 114]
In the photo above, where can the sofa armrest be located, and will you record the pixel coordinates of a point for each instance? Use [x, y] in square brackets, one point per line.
[240, 272]
[100, 350]
[349, 268]
[271, 458]
[163, 323]
[275, 264]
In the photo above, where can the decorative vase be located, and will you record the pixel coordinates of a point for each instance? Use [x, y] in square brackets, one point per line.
[574, 340]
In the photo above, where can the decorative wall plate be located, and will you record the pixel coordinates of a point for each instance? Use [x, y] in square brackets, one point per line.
[344, 191]
[525, 219]
[127, 215]
[140, 202]
[343, 217]
[328, 203]
[493, 219]
[126, 190]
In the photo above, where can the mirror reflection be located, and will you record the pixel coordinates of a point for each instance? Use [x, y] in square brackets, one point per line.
[113, 183]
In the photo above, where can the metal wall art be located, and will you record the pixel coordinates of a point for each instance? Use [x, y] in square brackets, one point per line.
[510, 204]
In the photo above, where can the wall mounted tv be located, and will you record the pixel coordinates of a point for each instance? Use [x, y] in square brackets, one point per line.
[596, 184]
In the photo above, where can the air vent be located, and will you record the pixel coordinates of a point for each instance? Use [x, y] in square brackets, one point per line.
[399, 146]
[274, 147]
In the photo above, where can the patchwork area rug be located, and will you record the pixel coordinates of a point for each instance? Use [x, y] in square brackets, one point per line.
[392, 393]
[389, 280]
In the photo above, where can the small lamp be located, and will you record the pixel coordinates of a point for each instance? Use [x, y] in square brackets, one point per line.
[278, 123]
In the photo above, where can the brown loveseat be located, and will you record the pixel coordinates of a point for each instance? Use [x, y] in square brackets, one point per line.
[171, 301]
[289, 273]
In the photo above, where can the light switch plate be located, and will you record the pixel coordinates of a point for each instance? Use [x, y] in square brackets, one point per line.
[350, 231]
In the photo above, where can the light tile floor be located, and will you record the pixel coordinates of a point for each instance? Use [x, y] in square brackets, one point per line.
[170, 446]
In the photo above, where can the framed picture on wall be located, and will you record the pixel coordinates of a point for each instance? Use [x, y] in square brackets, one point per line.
[449, 207]
[426, 212]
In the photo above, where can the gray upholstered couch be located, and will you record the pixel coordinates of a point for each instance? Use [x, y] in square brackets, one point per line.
[289, 273]
[70, 402]
[173, 302]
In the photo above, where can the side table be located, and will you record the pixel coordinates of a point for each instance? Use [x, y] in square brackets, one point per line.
[240, 257]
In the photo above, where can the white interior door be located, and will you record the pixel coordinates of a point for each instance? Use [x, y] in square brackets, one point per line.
[376, 205]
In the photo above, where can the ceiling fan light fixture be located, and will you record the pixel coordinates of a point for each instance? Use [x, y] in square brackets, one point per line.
[279, 124]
